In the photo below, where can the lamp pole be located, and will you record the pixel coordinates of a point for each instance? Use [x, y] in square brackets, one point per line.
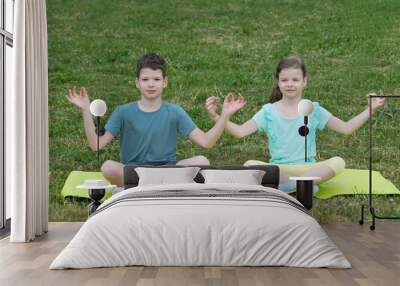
[303, 131]
[305, 108]
[305, 137]
[98, 139]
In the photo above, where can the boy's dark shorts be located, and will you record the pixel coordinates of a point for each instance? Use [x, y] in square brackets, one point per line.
[161, 163]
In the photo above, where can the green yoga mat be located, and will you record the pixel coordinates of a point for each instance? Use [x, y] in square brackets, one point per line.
[76, 178]
[348, 182]
[355, 182]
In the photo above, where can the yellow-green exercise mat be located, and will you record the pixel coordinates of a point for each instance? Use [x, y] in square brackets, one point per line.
[76, 178]
[348, 182]
[355, 182]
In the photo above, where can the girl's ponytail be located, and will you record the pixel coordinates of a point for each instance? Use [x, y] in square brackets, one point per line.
[276, 94]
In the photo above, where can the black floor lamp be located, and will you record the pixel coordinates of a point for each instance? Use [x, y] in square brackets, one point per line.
[96, 188]
[370, 205]
[98, 108]
[305, 108]
[304, 185]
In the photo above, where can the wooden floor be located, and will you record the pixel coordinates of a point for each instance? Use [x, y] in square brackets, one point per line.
[374, 255]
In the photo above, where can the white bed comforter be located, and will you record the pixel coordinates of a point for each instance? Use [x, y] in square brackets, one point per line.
[198, 226]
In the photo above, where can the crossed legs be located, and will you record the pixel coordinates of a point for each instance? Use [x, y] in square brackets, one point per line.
[324, 169]
[113, 171]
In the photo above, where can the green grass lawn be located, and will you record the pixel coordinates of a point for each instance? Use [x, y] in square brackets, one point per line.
[350, 48]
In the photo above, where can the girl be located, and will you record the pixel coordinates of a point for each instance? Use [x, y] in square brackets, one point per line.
[280, 120]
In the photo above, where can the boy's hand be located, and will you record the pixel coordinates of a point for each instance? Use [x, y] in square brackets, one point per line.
[211, 105]
[81, 101]
[231, 105]
[375, 102]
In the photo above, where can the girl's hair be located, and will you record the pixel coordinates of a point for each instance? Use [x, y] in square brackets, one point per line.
[288, 62]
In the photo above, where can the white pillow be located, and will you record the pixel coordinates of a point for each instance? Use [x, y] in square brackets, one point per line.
[248, 177]
[164, 176]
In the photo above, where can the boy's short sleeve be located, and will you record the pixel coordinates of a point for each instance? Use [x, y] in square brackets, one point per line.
[114, 123]
[261, 119]
[324, 116]
[185, 123]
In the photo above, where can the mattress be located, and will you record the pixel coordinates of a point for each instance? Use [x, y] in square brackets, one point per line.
[201, 225]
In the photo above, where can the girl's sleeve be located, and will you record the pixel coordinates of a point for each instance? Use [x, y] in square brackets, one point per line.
[323, 116]
[261, 119]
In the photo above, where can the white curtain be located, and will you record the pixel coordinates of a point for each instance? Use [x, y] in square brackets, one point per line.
[27, 124]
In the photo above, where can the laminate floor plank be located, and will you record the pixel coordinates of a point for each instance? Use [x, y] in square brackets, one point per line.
[374, 255]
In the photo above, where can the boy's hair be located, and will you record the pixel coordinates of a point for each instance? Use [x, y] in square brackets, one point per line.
[288, 62]
[152, 61]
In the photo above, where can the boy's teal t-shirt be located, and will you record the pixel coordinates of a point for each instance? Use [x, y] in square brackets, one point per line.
[149, 137]
[285, 144]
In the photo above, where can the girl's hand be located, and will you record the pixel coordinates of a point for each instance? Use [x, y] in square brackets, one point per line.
[81, 101]
[375, 102]
[231, 105]
[211, 106]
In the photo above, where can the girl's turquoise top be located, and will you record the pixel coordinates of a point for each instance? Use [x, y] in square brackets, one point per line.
[285, 143]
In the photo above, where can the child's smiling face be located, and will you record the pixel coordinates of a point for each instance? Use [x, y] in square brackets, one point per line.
[151, 83]
[292, 82]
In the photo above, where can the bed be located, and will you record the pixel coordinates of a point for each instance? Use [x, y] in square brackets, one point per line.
[201, 223]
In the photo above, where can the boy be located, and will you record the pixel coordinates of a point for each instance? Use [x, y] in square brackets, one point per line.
[149, 127]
